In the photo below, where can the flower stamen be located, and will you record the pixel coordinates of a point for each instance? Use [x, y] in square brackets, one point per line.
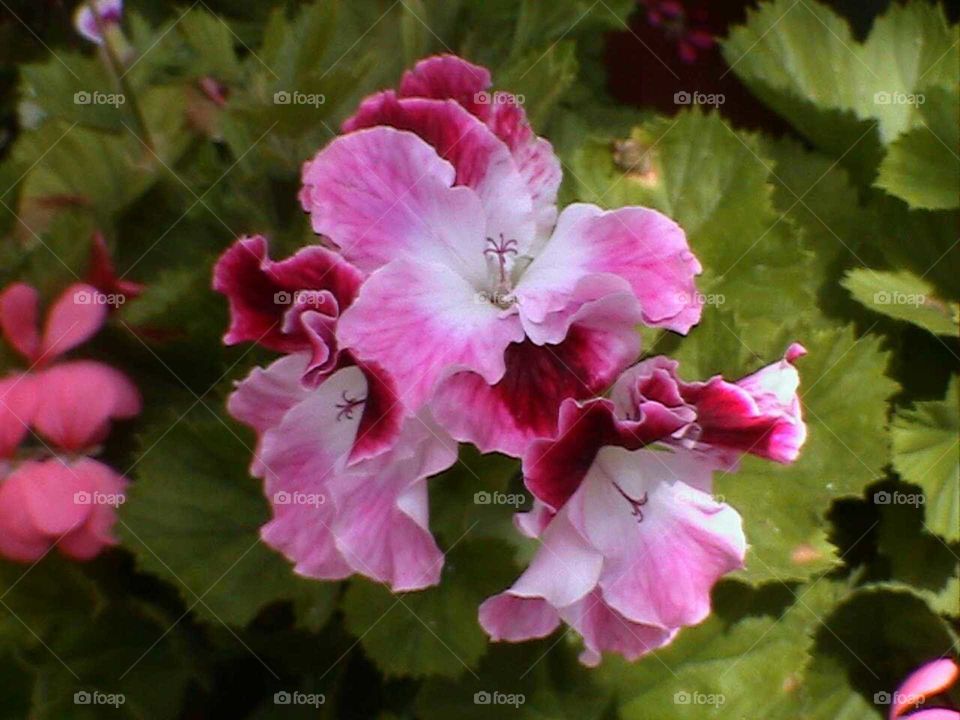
[502, 249]
[635, 503]
[347, 407]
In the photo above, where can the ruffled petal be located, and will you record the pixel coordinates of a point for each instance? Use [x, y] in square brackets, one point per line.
[507, 617]
[76, 316]
[298, 458]
[605, 630]
[449, 77]
[334, 518]
[482, 161]
[262, 398]
[262, 291]
[382, 524]
[564, 569]
[383, 194]
[382, 417]
[507, 416]
[539, 166]
[445, 76]
[19, 313]
[759, 414]
[421, 322]
[647, 249]
[554, 468]
[76, 402]
[665, 543]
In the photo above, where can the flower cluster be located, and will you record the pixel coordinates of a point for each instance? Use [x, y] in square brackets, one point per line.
[52, 493]
[449, 300]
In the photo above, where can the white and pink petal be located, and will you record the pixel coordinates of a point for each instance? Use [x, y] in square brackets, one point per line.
[422, 322]
[665, 542]
[645, 248]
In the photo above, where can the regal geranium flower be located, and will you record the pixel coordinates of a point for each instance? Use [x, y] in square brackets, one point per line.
[71, 403]
[919, 692]
[293, 306]
[55, 502]
[631, 535]
[478, 295]
[343, 470]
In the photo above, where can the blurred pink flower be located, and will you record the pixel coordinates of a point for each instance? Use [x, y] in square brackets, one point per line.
[57, 502]
[92, 18]
[924, 683]
[71, 402]
[63, 500]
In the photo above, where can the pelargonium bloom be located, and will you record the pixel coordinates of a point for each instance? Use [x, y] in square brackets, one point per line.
[92, 19]
[343, 469]
[478, 294]
[923, 684]
[632, 539]
[55, 502]
[71, 403]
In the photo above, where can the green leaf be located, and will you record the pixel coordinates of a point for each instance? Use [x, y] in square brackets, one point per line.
[139, 659]
[477, 496]
[57, 86]
[904, 296]
[41, 601]
[434, 631]
[902, 538]
[922, 166]
[543, 677]
[751, 667]
[880, 633]
[212, 41]
[541, 79]
[825, 88]
[193, 518]
[925, 443]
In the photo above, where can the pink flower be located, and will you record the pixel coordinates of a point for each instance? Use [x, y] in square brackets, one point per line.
[632, 541]
[629, 559]
[478, 294]
[928, 681]
[70, 403]
[55, 502]
[343, 469]
[93, 18]
[65, 502]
